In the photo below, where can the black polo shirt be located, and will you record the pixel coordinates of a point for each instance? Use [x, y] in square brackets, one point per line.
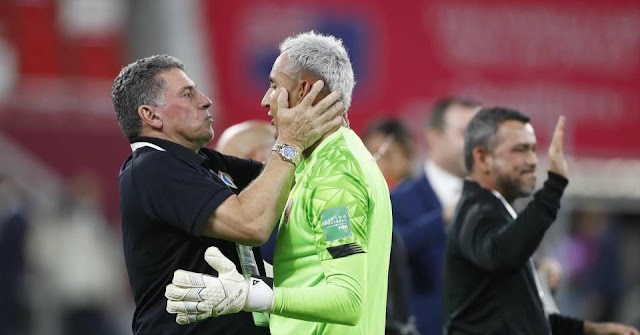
[167, 193]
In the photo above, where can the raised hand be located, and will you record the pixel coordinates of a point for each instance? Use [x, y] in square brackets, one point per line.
[557, 161]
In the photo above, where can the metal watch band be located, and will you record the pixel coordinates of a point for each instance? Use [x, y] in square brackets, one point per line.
[288, 153]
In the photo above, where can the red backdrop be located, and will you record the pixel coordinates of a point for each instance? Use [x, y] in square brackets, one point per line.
[545, 57]
[578, 58]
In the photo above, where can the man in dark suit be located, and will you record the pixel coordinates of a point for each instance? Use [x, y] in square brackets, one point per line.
[489, 283]
[423, 206]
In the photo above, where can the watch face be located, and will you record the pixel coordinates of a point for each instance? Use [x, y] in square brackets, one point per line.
[289, 152]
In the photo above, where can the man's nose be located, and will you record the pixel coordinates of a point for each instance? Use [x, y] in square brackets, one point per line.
[532, 159]
[206, 103]
[266, 98]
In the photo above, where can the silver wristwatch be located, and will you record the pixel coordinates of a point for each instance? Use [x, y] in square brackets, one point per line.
[288, 152]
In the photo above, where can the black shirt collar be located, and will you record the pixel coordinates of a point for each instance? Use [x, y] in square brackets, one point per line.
[173, 148]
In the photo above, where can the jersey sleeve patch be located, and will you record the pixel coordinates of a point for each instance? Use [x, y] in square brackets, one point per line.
[335, 223]
[345, 250]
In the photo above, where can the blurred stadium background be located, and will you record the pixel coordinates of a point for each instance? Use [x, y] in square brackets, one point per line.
[61, 148]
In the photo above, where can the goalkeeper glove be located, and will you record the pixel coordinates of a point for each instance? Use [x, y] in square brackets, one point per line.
[196, 296]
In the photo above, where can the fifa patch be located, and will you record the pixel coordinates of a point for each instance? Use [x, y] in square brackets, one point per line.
[226, 179]
[335, 223]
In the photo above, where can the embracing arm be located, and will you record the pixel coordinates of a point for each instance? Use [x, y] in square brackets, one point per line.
[249, 217]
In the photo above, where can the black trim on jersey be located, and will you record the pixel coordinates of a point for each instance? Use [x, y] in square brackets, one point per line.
[345, 250]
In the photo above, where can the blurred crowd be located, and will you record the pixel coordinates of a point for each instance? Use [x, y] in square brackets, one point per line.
[62, 268]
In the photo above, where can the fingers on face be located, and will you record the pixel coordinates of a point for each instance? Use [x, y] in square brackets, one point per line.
[313, 93]
[329, 102]
[283, 98]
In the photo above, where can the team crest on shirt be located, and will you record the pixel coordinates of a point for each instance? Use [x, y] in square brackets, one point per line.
[226, 178]
[287, 212]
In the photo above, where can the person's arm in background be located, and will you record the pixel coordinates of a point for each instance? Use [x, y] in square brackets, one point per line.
[249, 217]
[561, 324]
[493, 244]
[608, 328]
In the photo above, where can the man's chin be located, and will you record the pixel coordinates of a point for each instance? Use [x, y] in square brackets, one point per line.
[526, 191]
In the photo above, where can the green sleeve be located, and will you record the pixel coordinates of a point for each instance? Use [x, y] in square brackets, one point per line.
[339, 300]
[339, 226]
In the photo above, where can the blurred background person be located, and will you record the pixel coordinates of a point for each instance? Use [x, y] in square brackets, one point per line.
[550, 272]
[490, 285]
[423, 206]
[249, 139]
[88, 291]
[391, 144]
[14, 225]
[589, 254]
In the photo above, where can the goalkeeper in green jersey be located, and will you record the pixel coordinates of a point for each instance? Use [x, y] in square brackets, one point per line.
[332, 249]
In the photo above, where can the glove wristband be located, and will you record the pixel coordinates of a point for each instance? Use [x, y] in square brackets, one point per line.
[260, 297]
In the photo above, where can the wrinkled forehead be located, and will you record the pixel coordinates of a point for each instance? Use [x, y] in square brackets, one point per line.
[176, 79]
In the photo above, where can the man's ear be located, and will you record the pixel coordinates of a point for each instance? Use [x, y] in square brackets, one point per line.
[304, 89]
[482, 159]
[149, 117]
[299, 91]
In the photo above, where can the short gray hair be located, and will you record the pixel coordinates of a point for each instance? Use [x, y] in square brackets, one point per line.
[324, 56]
[138, 84]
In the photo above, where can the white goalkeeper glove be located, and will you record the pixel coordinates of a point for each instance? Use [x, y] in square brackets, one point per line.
[195, 296]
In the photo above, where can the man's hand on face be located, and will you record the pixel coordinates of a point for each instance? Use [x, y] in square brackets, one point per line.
[304, 124]
[557, 161]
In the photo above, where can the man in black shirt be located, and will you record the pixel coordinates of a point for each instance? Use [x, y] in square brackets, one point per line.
[489, 283]
[178, 198]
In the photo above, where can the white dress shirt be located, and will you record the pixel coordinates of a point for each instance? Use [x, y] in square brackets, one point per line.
[446, 186]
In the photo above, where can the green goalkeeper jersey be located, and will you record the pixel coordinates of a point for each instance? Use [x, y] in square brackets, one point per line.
[332, 250]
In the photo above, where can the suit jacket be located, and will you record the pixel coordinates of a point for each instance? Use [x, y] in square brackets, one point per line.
[489, 284]
[417, 217]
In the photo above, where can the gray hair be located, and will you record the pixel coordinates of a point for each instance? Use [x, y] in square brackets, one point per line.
[138, 84]
[324, 56]
[482, 130]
